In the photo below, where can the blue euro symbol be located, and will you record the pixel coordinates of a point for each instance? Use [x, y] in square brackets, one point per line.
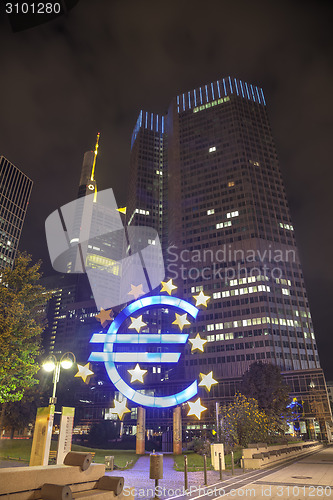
[110, 357]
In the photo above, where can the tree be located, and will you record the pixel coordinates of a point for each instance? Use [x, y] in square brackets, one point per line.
[243, 422]
[264, 382]
[103, 432]
[22, 319]
[19, 414]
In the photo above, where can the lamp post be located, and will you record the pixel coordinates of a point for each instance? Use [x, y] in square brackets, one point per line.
[52, 364]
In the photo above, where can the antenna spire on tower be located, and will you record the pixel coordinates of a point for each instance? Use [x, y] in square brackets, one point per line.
[95, 155]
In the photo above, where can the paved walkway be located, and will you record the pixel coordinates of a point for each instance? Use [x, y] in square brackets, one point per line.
[12, 463]
[173, 482]
[305, 478]
[310, 477]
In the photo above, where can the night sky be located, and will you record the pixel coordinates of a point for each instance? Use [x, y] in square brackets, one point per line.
[94, 69]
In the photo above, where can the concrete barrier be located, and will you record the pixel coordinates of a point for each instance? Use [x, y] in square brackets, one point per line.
[260, 456]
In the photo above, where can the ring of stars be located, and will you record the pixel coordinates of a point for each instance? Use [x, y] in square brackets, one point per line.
[197, 344]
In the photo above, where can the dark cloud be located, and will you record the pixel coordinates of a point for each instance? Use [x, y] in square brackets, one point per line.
[97, 67]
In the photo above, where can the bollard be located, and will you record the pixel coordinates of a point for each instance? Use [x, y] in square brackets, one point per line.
[109, 462]
[156, 469]
[220, 466]
[205, 469]
[232, 463]
[185, 473]
[243, 464]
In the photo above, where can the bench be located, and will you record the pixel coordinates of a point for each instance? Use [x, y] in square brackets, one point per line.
[261, 455]
[44, 482]
[53, 455]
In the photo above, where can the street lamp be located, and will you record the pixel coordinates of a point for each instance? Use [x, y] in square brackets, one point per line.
[51, 364]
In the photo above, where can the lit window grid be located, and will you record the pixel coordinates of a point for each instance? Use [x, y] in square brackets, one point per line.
[241, 291]
[254, 321]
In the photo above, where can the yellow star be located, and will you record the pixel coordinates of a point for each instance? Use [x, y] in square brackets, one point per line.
[168, 286]
[120, 408]
[197, 343]
[207, 381]
[136, 291]
[196, 408]
[137, 323]
[201, 299]
[104, 317]
[84, 372]
[181, 321]
[137, 374]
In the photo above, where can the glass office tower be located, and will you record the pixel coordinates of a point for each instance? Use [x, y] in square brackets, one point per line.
[206, 175]
[15, 189]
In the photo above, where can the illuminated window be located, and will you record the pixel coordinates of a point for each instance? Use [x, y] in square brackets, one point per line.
[211, 211]
[232, 214]
[289, 227]
[231, 184]
[141, 211]
[212, 149]
[211, 104]
[221, 225]
[210, 328]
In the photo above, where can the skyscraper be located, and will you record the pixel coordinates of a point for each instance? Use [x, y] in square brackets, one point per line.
[207, 177]
[72, 307]
[15, 189]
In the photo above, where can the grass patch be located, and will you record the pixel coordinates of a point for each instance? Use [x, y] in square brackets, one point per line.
[194, 460]
[19, 449]
[122, 458]
[237, 457]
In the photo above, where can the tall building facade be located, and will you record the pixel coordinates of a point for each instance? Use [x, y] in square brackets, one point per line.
[15, 190]
[72, 309]
[206, 175]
